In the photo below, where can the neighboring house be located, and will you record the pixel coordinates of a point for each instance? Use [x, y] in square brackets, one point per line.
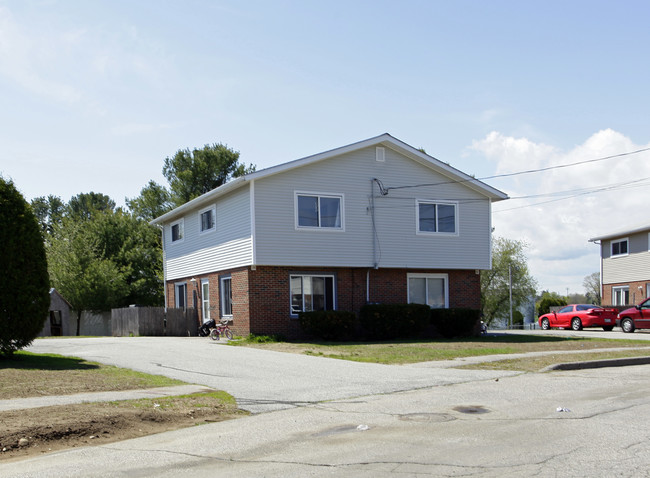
[58, 319]
[625, 265]
[376, 221]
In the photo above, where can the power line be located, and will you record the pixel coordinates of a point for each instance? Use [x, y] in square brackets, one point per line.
[530, 171]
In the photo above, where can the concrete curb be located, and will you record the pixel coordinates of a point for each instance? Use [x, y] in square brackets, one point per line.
[48, 401]
[622, 362]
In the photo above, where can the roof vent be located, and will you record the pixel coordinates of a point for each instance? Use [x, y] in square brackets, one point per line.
[380, 154]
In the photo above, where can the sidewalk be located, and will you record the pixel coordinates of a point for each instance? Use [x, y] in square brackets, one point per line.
[47, 401]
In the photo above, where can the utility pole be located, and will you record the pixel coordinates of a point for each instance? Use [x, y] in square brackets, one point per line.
[510, 282]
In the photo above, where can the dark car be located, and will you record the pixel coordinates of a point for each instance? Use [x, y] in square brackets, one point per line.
[578, 316]
[637, 317]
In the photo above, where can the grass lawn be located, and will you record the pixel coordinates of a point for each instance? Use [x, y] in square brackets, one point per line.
[412, 351]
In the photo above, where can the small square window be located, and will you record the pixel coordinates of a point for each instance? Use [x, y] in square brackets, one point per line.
[319, 211]
[619, 248]
[177, 231]
[207, 220]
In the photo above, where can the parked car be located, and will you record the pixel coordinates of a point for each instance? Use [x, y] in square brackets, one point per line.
[637, 317]
[578, 316]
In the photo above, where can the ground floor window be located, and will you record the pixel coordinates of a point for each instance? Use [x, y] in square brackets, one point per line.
[430, 289]
[226, 297]
[312, 292]
[621, 295]
[181, 295]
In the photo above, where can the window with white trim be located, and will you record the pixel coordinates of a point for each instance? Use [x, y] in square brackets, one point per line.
[620, 247]
[430, 289]
[205, 299]
[436, 217]
[312, 292]
[226, 296]
[177, 231]
[319, 211]
[180, 294]
[207, 220]
[621, 295]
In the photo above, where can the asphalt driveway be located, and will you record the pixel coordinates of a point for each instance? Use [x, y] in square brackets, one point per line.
[260, 380]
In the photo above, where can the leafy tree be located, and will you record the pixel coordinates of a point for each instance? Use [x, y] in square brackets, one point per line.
[24, 284]
[154, 200]
[508, 258]
[193, 173]
[591, 283]
[85, 205]
[49, 212]
[548, 300]
[110, 260]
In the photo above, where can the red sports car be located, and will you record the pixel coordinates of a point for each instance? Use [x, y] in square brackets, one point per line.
[578, 316]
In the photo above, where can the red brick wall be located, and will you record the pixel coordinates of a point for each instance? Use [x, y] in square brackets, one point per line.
[636, 294]
[261, 297]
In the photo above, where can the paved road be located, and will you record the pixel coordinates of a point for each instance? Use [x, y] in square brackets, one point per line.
[260, 380]
[486, 428]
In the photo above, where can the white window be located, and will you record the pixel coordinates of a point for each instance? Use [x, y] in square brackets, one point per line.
[312, 292]
[226, 296]
[205, 299]
[207, 220]
[436, 217]
[620, 247]
[319, 211]
[180, 290]
[177, 231]
[621, 295]
[430, 289]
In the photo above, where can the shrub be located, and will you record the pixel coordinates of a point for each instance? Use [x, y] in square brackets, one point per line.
[328, 324]
[455, 322]
[387, 321]
[24, 283]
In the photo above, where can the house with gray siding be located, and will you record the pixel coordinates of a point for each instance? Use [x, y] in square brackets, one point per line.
[376, 221]
[625, 265]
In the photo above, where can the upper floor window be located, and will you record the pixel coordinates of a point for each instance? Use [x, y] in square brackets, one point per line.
[177, 231]
[207, 221]
[319, 211]
[619, 248]
[437, 217]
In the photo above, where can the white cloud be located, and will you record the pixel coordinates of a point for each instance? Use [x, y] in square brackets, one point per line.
[557, 225]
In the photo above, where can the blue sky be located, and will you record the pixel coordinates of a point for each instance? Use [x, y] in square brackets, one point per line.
[95, 94]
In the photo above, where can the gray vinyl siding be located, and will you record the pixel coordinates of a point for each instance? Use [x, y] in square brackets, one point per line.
[279, 243]
[229, 246]
[633, 267]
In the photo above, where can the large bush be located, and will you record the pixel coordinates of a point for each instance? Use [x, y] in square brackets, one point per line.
[24, 283]
[389, 321]
[455, 322]
[329, 324]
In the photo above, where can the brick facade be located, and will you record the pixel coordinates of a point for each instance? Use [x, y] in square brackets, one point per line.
[638, 292]
[261, 298]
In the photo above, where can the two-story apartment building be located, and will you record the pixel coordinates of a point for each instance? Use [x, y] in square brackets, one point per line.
[374, 221]
[625, 265]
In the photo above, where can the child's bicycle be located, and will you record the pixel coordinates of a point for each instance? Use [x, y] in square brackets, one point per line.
[221, 329]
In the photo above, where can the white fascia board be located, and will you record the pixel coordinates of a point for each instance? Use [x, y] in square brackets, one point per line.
[644, 227]
[200, 201]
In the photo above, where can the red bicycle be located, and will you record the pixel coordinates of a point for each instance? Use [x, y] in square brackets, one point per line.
[221, 329]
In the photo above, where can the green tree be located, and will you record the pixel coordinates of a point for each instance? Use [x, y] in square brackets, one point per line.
[591, 283]
[85, 205]
[508, 260]
[49, 212]
[548, 300]
[193, 173]
[154, 200]
[110, 260]
[24, 284]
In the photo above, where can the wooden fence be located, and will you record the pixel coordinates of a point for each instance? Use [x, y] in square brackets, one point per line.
[154, 321]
